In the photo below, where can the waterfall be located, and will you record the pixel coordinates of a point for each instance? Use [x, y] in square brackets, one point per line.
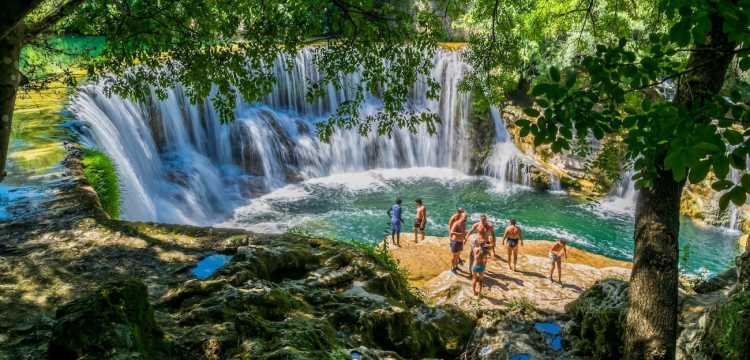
[506, 162]
[178, 164]
[622, 197]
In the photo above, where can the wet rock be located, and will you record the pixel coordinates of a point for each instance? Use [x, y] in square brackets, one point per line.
[500, 335]
[714, 283]
[117, 319]
[596, 317]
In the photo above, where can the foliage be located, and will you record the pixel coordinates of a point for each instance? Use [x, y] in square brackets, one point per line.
[732, 329]
[226, 49]
[610, 92]
[100, 172]
[608, 165]
[522, 38]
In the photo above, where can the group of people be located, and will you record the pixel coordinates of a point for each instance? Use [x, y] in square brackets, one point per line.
[480, 246]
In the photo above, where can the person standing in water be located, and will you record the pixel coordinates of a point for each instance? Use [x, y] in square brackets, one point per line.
[485, 237]
[477, 271]
[421, 219]
[395, 214]
[556, 253]
[512, 238]
[458, 238]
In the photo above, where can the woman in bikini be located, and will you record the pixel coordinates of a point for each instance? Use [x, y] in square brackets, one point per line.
[556, 253]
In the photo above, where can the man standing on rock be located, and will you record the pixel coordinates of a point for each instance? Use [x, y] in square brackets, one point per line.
[421, 219]
[556, 253]
[458, 215]
[512, 238]
[395, 214]
[458, 238]
[485, 238]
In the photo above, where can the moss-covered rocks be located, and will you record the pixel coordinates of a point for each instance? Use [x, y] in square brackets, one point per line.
[596, 317]
[115, 321]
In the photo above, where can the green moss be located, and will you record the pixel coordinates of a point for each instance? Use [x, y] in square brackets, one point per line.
[117, 318]
[481, 131]
[100, 173]
[732, 328]
[597, 316]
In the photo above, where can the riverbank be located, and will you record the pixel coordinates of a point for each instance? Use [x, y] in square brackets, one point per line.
[427, 265]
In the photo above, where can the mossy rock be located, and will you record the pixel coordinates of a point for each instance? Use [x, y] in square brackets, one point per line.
[728, 329]
[115, 319]
[481, 132]
[595, 329]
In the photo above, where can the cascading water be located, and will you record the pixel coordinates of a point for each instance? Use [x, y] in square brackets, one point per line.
[177, 163]
[505, 162]
[621, 198]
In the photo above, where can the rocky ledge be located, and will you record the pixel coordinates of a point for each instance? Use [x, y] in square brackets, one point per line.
[71, 293]
[427, 265]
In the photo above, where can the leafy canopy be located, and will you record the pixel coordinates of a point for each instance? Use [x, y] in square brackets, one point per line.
[224, 49]
[613, 91]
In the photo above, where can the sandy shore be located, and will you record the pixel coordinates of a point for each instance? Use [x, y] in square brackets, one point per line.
[428, 265]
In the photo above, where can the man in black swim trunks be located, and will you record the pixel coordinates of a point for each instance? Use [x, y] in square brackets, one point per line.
[512, 238]
[421, 220]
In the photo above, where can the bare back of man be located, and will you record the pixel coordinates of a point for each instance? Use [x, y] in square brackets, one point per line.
[512, 239]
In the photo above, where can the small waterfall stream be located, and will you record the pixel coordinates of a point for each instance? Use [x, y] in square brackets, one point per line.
[177, 163]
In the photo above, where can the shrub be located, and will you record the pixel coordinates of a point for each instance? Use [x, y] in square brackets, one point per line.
[100, 172]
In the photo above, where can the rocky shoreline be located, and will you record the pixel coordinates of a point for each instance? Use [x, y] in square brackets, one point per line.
[427, 265]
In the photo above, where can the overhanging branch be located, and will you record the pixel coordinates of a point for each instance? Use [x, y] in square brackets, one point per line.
[13, 13]
[51, 19]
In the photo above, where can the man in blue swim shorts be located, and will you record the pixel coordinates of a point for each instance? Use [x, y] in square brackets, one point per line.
[395, 214]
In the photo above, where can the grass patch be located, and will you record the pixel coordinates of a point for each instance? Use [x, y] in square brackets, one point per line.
[521, 305]
[100, 173]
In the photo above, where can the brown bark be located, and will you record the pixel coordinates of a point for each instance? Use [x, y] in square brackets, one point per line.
[10, 49]
[651, 322]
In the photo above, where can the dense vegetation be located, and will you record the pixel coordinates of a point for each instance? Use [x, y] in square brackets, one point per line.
[100, 172]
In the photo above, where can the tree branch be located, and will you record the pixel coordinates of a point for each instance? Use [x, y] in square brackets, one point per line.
[13, 14]
[51, 19]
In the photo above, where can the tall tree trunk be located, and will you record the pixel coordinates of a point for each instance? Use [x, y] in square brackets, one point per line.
[10, 49]
[651, 322]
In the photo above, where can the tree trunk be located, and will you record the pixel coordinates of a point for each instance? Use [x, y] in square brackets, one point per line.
[10, 49]
[651, 322]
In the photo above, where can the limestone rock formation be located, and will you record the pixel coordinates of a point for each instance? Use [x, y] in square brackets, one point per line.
[595, 326]
[116, 321]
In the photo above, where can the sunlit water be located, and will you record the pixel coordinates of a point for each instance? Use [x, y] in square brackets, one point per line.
[353, 206]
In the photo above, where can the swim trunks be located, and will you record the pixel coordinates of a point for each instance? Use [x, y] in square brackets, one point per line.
[456, 246]
[554, 257]
[396, 226]
[478, 268]
[512, 243]
[420, 225]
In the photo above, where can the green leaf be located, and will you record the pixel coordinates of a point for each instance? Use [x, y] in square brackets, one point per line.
[724, 200]
[733, 137]
[699, 172]
[707, 148]
[570, 80]
[543, 103]
[554, 74]
[721, 185]
[678, 173]
[745, 180]
[745, 63]
[738, 195]
[721, 166]
[523, 123]
[524, 132]
[531, 112]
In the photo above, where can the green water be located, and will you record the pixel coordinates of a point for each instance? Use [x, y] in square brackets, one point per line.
[354, 206]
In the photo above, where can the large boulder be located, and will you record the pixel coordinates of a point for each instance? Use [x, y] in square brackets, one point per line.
[595, 328]
[727, 334]
[743, 271]
[115, 321]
